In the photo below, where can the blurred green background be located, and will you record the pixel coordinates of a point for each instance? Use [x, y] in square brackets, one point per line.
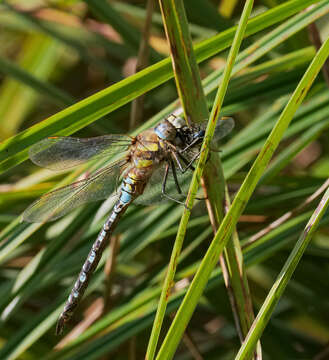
[57, 53]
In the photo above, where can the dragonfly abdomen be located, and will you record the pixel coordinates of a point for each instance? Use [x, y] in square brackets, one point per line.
[93, 259]
[133, 185]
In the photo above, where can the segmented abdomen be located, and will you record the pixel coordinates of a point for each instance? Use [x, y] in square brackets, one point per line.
[131, 187]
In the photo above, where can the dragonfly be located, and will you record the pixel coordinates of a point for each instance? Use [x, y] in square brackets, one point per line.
[166, 151]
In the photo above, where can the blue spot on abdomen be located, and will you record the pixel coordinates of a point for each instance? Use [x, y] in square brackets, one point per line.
[125, 197]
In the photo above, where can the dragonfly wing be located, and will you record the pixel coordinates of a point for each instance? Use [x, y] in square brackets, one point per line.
[59, 202]
[224, 127]
[153, 190]
[60, 152]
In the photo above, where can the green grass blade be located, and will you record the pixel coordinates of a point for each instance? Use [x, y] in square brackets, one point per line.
[199, 282]
[195, 108]
[187, 76]
[54, 94]
[283, 278]
[188, 83]
[168, 348]
[195, 30]
[39, 57]
[107, 13]
[46, 28]
[291, 151]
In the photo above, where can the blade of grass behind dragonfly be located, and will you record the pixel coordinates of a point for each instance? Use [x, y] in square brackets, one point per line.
[283, 278]
[247, 188]
[15, 150]
[56, 95]
[194, 105]
[45, 28]
[195, 108]
[168, 350]
[108, 14]
[38, 56]
[137, 12]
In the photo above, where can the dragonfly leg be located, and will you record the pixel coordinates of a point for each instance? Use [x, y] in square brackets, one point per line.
[164, 183]
[176, 180]
[189, 166]
[174, 154]
[192, 144]
[178, 154]
[188, 163]
[172, 165]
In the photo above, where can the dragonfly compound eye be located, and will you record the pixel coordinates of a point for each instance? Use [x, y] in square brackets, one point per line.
[165, 130]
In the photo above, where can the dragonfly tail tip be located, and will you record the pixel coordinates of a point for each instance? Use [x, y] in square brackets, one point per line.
[60, 326]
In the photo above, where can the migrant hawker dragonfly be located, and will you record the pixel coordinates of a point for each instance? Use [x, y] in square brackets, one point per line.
[171, 146]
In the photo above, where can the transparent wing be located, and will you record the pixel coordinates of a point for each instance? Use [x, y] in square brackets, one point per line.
[153, 190]
[224, 126]
[60, 152]
[57, 203]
